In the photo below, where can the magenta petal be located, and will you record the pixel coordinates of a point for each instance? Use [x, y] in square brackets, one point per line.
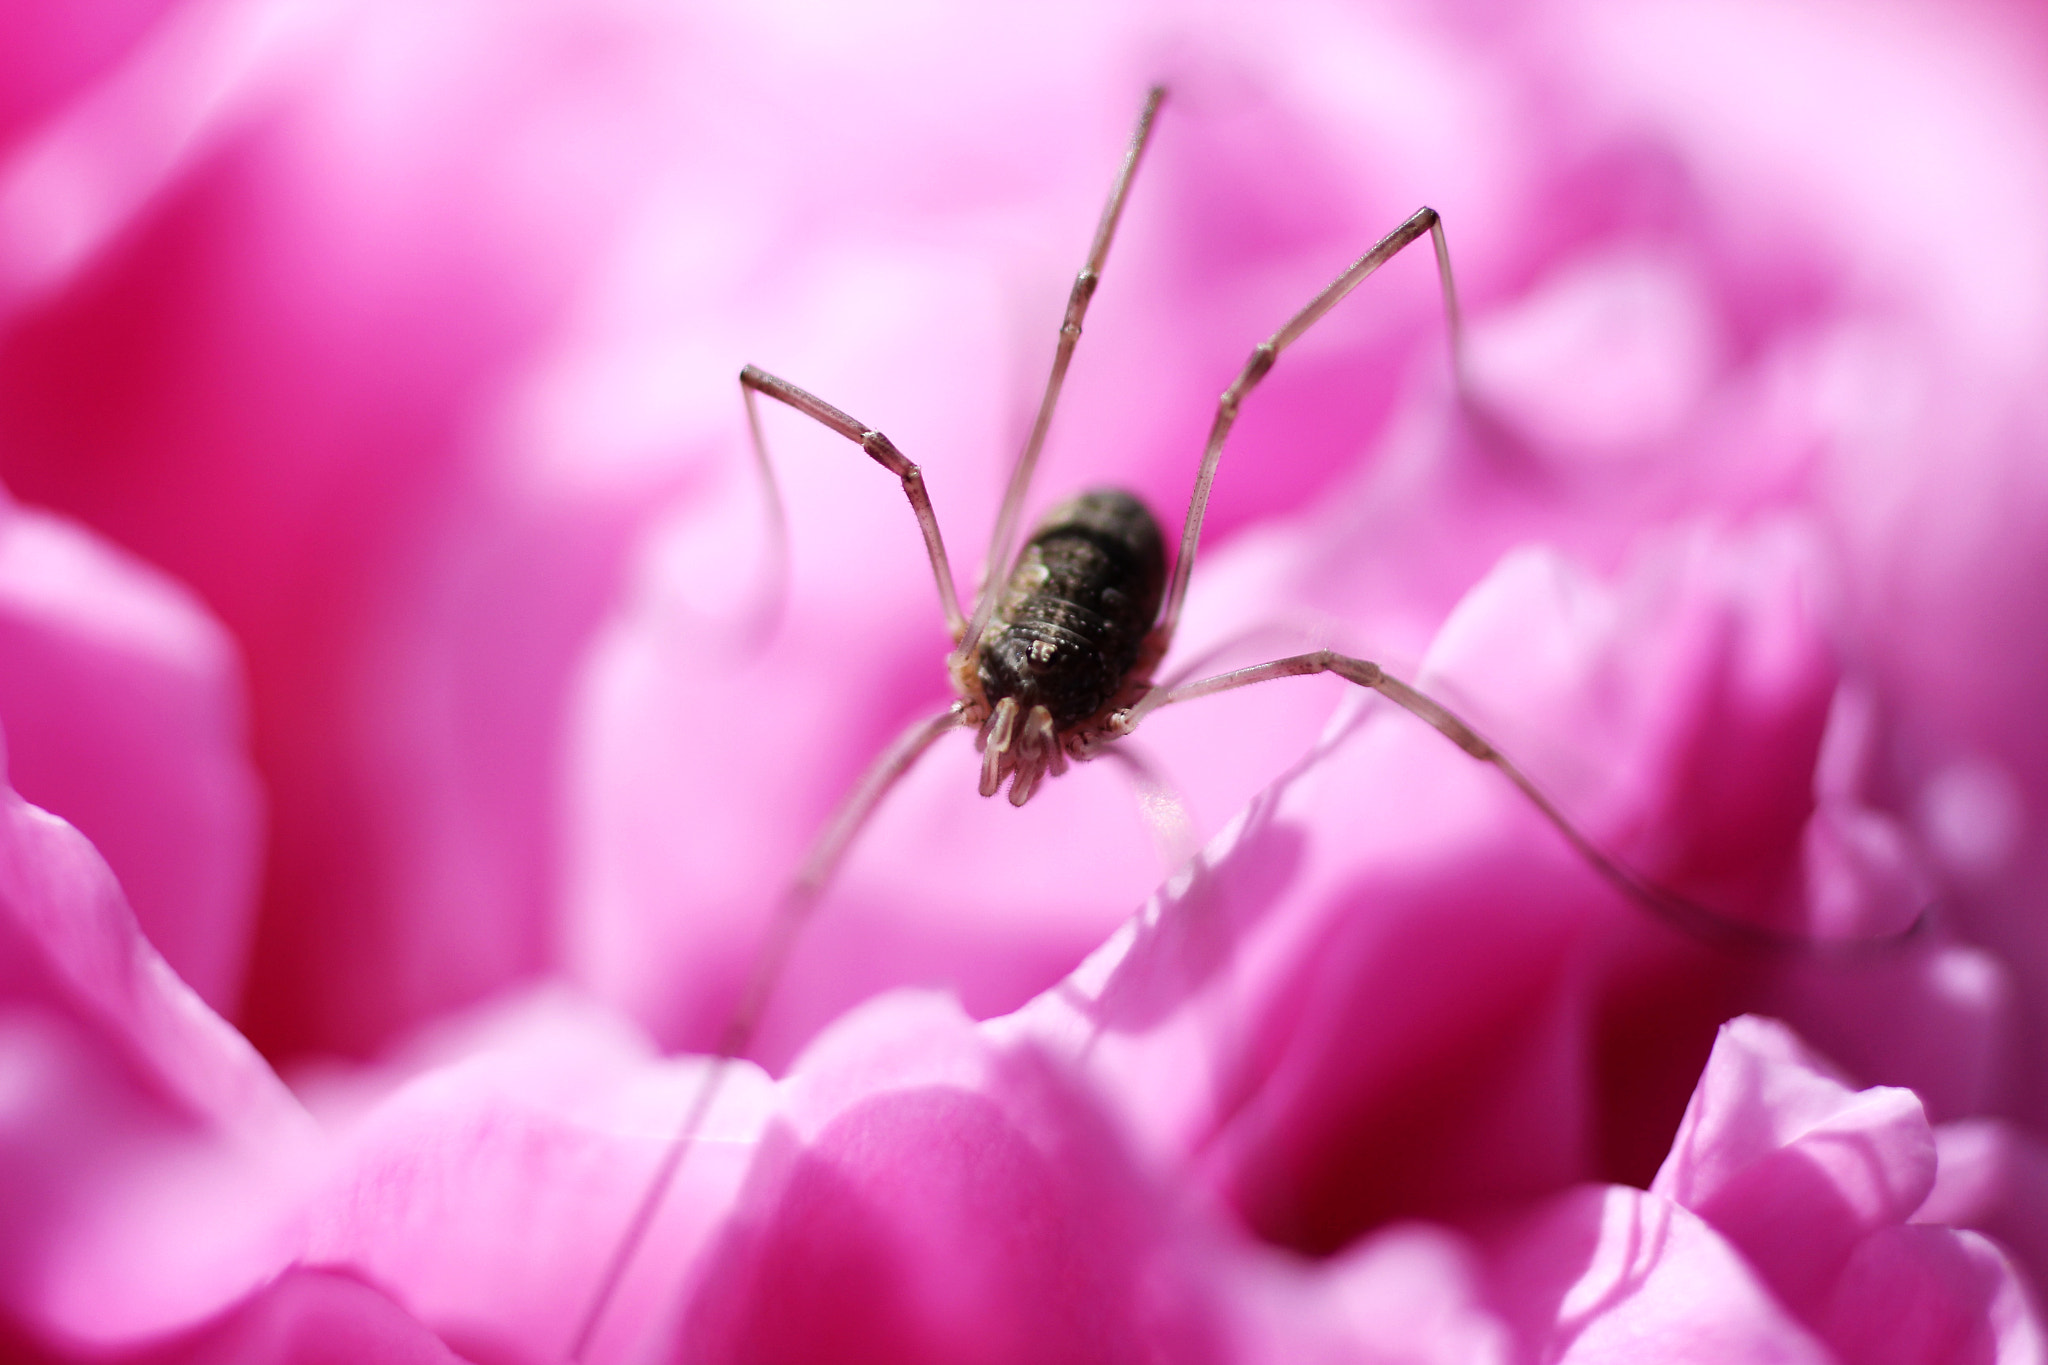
[123, 708]
[1994, 1179]
[51, 51]
[74, 948]
[302, 378]
[1393, 989]
[934, 1195]
[308, 1317]
[149, 1160]
[1925, 1294]
[1790, 1164]
[303, 1317]
[1937, 1018]
[149, 1157]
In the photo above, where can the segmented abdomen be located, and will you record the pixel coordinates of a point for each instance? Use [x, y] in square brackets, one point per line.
[1075, 612]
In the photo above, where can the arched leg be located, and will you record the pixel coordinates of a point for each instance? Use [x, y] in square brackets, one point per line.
[1172, 826]
[813, 875]
[884, 452]
[1004, 538]
[1700, 921]
[1423, 220]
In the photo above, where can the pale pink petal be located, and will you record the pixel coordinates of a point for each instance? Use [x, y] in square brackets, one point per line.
[1412, 1294]
[488, 1180]
[308, 1318]
[1791, 1164]
[1936, 1017]
[301, 1318]
[1615, 1274]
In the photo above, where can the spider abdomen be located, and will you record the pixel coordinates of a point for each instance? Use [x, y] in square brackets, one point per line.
[1075, 612]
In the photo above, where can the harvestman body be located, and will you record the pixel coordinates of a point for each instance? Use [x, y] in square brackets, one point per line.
[1056, 663]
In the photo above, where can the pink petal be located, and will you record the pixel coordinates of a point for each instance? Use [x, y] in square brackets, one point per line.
[1790, 1164]
[122, 705]
[150, 1159]
[53, 50]
[310, 1318]
[319, 321]
[1392, 954]
[301, 1318]
[1410, 1293]
[489, 1190]
[1993, 1178]
[1932, 1294]
[1615, 1274]
[934, 1196]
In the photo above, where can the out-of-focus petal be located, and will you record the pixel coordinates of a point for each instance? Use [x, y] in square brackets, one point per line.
[303, 1317]
[1412, 1293]
[324, 319]
[53, 50]
[122, 704]
[1911, 1294]
[149, 1160]
[1994, 1179]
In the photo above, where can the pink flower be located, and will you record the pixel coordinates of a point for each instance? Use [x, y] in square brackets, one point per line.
[394, 347]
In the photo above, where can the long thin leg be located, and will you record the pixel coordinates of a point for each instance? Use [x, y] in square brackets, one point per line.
[1688, 915]
[813, 875]
[884, 452]
[1165, 810]
[1004, 539]
[1262, 358]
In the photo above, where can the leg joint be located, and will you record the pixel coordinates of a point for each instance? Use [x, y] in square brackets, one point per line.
[1360, 671]
[885, 454]
[1261, 363]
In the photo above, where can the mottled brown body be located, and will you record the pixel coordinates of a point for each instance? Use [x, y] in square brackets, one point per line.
[1071, 624]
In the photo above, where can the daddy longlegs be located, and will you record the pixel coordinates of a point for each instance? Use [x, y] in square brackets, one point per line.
[1056, 662]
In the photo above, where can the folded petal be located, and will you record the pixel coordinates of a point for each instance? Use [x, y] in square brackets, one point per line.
[149, 1159]
[932, 1195]
[1792, 1165]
